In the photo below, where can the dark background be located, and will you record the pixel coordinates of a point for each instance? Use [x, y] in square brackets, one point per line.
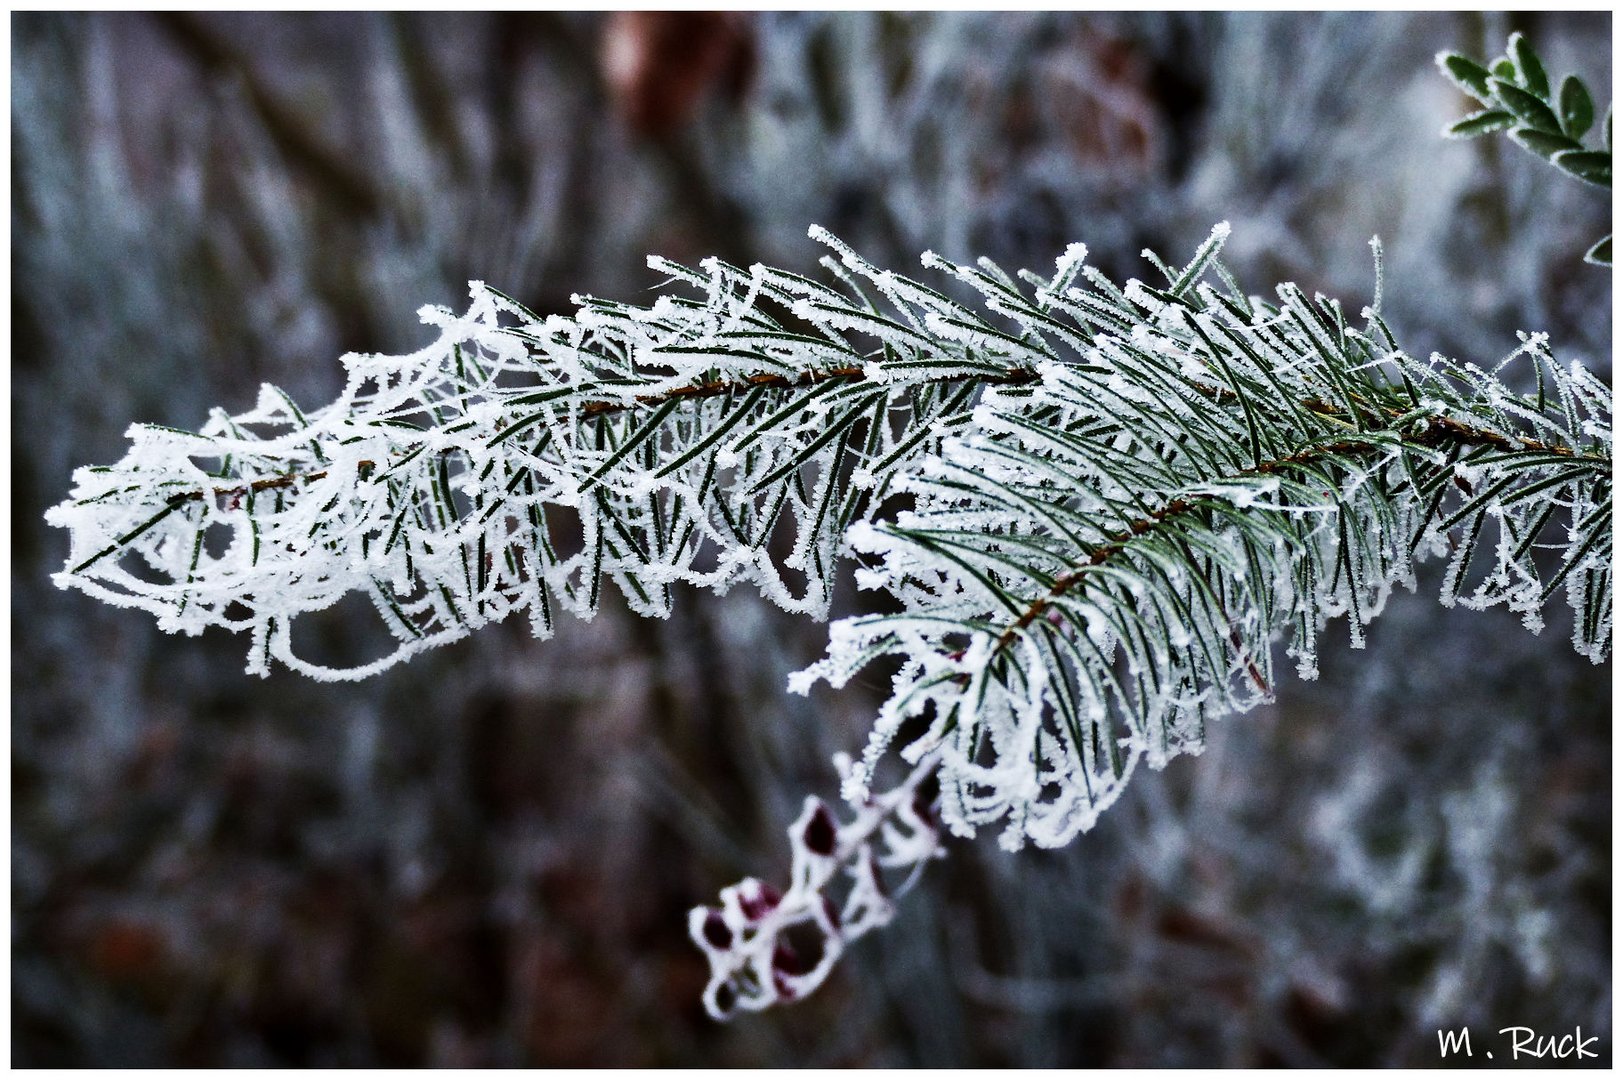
[484, 857]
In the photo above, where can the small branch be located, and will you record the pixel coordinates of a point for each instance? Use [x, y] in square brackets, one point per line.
[1068, 580]
[753, 964]
[1463, 433]
[1013, 377]
[267, 484]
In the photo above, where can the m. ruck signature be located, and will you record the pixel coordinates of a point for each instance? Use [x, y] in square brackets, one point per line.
[1524, 1042]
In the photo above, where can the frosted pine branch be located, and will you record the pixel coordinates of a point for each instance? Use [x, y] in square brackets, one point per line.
[1096, 509]
[1103, 561]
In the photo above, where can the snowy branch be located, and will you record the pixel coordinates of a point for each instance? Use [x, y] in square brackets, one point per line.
[1096, 509]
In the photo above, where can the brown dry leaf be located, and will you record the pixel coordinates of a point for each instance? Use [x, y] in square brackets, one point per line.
[127, 950]
[660, 64]
[1105, 89]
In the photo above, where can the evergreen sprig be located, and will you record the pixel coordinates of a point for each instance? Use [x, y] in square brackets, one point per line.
[1516, 94]
[1095, 507]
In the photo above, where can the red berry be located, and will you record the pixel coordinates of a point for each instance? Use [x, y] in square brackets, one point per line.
[758, 906]
[716, 931]
[820, 832]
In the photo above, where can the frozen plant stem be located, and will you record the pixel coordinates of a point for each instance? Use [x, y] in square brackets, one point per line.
[1441, 431]
[1445, 429]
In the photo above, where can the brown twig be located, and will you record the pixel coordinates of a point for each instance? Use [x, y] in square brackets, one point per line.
[1463, 433]
[1013, 377]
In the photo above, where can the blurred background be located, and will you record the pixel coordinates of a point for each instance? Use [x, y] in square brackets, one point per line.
[484, 858]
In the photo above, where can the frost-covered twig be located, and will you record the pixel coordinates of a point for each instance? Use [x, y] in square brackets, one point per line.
[1102, 563]
[684, 440]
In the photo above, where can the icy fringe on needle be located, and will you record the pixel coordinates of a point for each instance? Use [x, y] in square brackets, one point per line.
[753, 964]
[1095, 509]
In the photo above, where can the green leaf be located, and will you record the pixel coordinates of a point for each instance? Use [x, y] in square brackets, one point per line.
[1577, 109]
[634, 440]
[1504, 69]
[131, 535]
[1479, 123]
[1590, 165]
[1466, 74]
[1543, 143]
[1532, 111]
[1601, 253]
[806, 453]
[1528, 67]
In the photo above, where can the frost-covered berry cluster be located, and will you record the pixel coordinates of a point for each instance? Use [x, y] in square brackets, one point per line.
[767, 947]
